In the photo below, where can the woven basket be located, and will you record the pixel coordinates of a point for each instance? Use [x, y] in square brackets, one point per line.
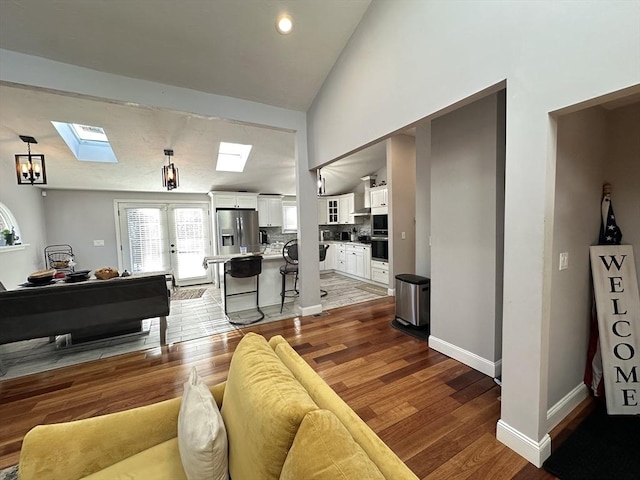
[105, 273]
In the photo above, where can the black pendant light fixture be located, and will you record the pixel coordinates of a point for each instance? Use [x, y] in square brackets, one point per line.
[170, 178]
[30, 168]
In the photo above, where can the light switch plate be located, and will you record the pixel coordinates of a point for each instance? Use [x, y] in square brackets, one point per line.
[564, 260]
[98, 243]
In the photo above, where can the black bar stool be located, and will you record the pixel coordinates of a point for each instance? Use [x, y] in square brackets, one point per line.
[290, 267]
[244, 267]
[323, 256]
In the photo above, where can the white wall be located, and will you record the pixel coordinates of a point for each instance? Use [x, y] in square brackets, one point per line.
[409, 60]
[464, 249]
[401, 166]
[25, 203]
[79, 217]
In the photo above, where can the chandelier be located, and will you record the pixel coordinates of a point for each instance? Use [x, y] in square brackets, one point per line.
[30, 168]
[170, 178]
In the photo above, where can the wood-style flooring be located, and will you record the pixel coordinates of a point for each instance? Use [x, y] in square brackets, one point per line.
[437, 414]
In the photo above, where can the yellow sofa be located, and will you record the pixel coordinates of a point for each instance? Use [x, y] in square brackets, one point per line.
[283, 423]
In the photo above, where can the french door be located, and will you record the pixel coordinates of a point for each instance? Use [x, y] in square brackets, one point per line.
[167, 238]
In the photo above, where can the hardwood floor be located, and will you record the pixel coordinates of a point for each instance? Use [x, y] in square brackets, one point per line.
[437, 414]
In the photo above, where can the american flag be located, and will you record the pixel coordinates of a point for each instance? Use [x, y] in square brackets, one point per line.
[610, 234]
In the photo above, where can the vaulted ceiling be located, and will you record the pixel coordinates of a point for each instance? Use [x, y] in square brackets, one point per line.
[226, 47]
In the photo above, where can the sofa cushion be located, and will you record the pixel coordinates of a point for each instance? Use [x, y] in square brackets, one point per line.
[325, 397]
[262, 410]
[325, 450]
[159, 462]
[202, 438]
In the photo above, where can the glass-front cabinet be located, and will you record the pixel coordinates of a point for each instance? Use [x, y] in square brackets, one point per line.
[332, 210]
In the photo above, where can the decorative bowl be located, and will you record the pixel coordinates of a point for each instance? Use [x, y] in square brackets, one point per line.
[42, 276]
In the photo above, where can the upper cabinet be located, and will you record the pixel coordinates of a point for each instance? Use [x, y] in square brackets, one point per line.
[322, 211]
[234, 200]
[338, 209]
[378, 196]
[270, 211]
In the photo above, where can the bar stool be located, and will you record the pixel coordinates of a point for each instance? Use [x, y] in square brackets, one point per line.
[323, 256]
[290, 267]
[244, 267]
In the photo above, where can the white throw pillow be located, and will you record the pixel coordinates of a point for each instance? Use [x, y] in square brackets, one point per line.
[202, 438]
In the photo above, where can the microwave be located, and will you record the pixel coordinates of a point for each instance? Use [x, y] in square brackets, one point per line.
[379, 225]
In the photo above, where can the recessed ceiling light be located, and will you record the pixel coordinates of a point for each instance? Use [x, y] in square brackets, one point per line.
[284, 25]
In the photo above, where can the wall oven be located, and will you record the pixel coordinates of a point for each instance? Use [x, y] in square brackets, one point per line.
[379, 225]
[380, 248]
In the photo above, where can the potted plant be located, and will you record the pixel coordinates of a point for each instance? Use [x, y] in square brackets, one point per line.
[8, 236]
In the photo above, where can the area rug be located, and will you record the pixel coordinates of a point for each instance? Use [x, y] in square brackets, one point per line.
[10, 473]
[188, 293]
[373, 289]
[602, 447]
[421, 333]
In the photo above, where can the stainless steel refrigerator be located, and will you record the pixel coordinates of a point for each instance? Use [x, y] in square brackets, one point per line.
[237, 228]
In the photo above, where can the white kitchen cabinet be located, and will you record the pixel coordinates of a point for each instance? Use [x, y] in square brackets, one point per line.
[234, 200]
[332, 211]
[322, 211]
[330, 260]
[346, 205]
[355, 260]
[367, 261]
[341, 264]
[379, 200]
[270, 211]
[380, 272]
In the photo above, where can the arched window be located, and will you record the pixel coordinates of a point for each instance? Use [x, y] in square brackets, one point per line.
[8, 221]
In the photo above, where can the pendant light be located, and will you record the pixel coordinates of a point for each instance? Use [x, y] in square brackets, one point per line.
[321, 189]
[170, 178]
[30, 168]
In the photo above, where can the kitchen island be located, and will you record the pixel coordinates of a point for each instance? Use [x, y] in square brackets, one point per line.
[270, 281]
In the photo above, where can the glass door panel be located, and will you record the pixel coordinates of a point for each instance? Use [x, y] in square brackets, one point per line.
[190, 241]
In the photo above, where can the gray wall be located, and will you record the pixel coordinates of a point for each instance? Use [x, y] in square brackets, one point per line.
[79, 217]
[623, 171]
[401, 168]
[25, 203]
[423, 199]
[464, 181]
[581, 149]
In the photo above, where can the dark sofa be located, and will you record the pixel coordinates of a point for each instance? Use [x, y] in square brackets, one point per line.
[86, 309]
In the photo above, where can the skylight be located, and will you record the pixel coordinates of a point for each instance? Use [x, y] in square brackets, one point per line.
[86, 142]
[87, 132]
[232, 157]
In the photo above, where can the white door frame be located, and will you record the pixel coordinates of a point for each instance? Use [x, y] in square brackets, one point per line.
[118, 203]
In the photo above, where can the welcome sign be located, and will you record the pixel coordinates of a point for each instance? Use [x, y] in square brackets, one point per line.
[618, 307]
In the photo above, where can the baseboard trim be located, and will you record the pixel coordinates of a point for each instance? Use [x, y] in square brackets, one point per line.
[533, 451]
[312, 310]
[493, 369]
[571, 400]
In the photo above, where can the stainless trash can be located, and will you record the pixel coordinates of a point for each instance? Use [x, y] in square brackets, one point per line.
[412, 299]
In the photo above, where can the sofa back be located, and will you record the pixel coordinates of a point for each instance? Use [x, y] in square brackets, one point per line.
[326, 398]
[35, 312]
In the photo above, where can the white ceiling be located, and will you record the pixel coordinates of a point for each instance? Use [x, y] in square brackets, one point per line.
[227, 47]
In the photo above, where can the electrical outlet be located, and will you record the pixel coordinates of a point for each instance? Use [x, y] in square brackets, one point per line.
[564, 260]
[98, 243]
